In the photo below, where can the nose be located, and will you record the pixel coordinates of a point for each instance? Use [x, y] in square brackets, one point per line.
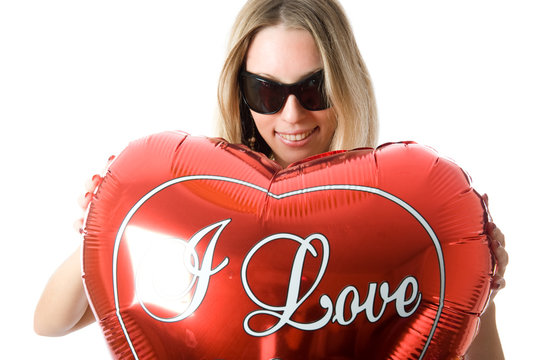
[293, 111]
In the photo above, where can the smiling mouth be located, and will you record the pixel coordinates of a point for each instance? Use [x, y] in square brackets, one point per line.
[296, 137]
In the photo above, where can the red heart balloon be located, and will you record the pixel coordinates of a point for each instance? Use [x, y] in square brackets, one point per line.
[199, 249]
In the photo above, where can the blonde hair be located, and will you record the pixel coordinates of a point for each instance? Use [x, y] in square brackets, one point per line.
[347, 81]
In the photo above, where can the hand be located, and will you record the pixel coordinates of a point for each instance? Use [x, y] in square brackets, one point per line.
[90, 189]
[486, 344]
[497, 246]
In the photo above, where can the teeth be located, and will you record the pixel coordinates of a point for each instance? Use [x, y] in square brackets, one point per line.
[296, 137]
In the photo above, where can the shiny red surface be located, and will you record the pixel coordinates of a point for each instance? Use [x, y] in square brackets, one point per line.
[375, 210]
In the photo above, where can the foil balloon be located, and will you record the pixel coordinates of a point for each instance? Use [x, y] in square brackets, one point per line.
[195, 248]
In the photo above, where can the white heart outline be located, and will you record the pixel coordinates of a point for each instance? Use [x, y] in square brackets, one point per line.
[362, 188]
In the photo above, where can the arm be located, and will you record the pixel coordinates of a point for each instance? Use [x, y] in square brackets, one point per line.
[63, 306]
[486, 344]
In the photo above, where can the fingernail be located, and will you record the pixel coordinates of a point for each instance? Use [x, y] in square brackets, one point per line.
[498, 284]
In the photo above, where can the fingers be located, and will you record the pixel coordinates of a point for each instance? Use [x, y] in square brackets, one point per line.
[485, 198]
[495, 233]
[502, 259]
[109, 161]
[497, 246]
[78, 225]
[498, 283]
[496, 236]
[497, 242]
[84, 200]
[90, 189]
[91, 185]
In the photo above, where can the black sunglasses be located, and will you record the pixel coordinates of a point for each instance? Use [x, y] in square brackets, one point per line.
[265, 96]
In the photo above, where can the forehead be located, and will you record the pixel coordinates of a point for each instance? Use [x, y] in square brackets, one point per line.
[283, 54]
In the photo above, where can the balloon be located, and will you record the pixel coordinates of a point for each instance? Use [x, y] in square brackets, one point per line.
[195, 248]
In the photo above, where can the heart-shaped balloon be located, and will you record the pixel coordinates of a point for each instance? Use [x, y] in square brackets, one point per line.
[199, 249]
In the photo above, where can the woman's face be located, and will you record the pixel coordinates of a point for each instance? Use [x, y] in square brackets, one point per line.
[287, 56]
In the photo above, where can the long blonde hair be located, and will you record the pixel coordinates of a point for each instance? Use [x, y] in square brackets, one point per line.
[347, 81]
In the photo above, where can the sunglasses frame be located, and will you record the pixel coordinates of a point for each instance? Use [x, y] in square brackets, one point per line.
[286, 90]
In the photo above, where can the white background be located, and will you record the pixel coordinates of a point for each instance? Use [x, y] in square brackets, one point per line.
[79, 80]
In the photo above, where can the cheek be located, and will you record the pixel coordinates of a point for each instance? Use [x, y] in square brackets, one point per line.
[327, 120]
[328, 124]
[264, 123]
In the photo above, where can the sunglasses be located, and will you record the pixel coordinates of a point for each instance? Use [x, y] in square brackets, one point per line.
[265, 96]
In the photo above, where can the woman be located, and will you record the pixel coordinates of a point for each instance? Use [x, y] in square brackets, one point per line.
[328, 105]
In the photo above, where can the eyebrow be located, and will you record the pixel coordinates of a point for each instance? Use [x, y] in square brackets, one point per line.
[269, 77]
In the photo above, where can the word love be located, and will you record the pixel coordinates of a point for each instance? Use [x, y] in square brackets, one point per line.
[348, 300]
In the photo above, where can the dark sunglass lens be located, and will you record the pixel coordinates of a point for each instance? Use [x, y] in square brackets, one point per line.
[270, 97]
[261, 96]
[312, 93]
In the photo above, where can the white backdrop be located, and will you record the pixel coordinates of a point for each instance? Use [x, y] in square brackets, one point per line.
[79, 80]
